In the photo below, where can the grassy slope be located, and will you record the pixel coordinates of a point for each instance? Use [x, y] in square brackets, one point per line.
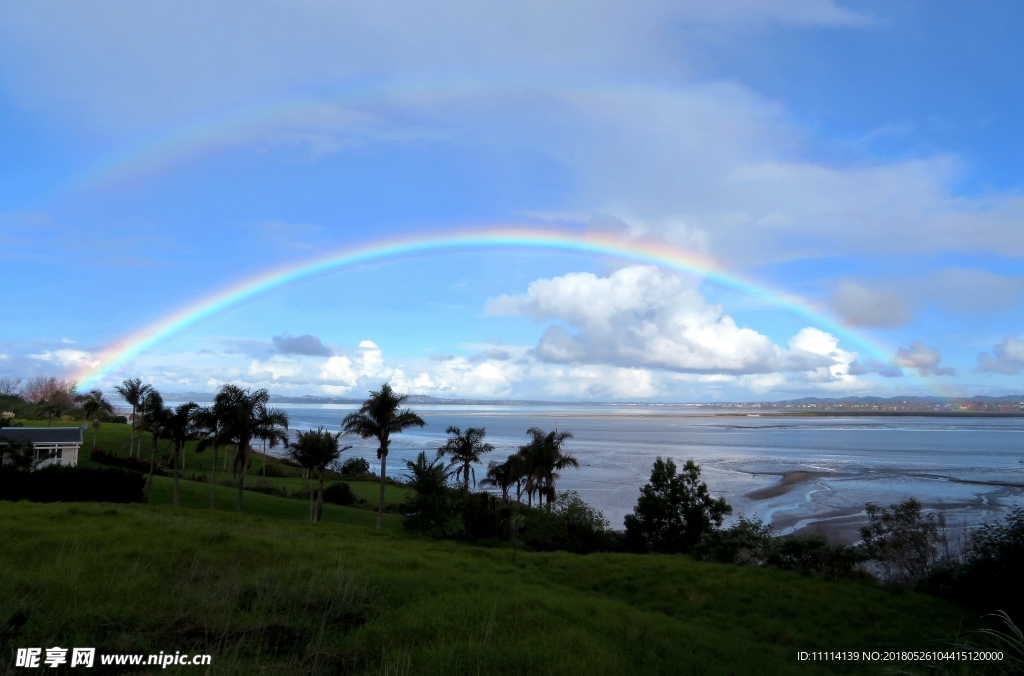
[264, 591]
[114, 438]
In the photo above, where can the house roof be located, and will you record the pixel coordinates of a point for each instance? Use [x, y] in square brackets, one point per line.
[44, 435]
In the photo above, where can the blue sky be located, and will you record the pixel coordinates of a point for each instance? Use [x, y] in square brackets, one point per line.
[861, 155]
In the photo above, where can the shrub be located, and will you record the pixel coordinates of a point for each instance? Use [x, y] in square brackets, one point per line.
[572, 525]
[339, 493]
[903, 541]
[483, 516]
[814, 554]
[59, 483]
[674, 510]
[274, 470]
[989, 578]
[749, 541]
[355, 467]
[114, 460]
[261, 485]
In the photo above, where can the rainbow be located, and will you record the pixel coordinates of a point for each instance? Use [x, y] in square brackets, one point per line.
[124, 349]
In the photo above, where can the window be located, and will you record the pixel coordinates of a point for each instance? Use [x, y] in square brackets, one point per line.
[60, 453]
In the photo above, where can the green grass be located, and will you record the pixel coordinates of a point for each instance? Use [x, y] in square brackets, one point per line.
[266, 592]
[114, 438]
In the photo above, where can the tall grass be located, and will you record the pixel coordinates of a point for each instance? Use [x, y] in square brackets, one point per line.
[272, 594]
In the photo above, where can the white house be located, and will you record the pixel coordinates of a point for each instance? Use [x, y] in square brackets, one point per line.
[60, 443]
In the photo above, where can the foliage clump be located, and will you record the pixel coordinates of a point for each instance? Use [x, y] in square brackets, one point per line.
[674, 510]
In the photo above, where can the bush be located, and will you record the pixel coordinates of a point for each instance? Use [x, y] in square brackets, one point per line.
[572, 525]
[989, 578]
[904, 541]
[813, 554]
[274, 470]
[749, 541]
[674, 510]
[355, 467]
[483, 516]
[114, 460]
[339, 493]
[59, 483]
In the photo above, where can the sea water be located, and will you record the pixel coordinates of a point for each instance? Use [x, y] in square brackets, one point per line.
[972, 468]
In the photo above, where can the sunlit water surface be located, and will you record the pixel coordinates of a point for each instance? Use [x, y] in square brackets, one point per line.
[972, 468]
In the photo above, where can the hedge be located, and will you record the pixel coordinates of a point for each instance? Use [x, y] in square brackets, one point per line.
[58, 483]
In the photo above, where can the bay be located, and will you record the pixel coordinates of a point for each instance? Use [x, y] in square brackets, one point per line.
[807, 474]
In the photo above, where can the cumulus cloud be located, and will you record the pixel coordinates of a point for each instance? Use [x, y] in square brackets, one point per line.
[1007, 357]
[640, 316]
[859, 305]
[305, 345]
[923, 358]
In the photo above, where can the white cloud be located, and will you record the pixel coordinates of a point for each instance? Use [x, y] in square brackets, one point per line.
[640, 316]
[923, 358]
[67, 358]
[1006, 358]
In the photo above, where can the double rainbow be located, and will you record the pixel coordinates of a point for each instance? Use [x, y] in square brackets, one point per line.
[124, 349]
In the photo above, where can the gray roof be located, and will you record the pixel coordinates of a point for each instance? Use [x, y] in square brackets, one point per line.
[44, 435]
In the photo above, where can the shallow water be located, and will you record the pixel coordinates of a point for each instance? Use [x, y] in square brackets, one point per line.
[972, 468]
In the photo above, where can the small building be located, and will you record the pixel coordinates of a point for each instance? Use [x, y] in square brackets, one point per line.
[58, 444]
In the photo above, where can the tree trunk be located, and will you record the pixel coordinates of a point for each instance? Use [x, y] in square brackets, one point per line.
[213, 480]
[94, 437]
[383, 474]
[177, 453]
[152, 464]
[312, 509]
[241, 476]
[320, 499]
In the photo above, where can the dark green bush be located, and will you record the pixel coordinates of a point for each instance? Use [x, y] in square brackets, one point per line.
[989, 578]
[750, 541]
[673, 511]
[355, 467]
[483, 516]
[572, 525]
[58, 483]
[114, 460]
[339, 493]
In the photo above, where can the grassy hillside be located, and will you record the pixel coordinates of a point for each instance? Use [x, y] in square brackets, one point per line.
[266, 592]
[115, 438]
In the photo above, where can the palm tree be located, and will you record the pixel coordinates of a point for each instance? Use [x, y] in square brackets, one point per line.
[92, 404]
[246, 417]
[180, 427]
[378, 418]
[134, 392]
[272, 434]
[501, 475]
[154, 416]
[432, 507]
[316, 450]
[545, 460]
[464, 450]
[209, 422]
